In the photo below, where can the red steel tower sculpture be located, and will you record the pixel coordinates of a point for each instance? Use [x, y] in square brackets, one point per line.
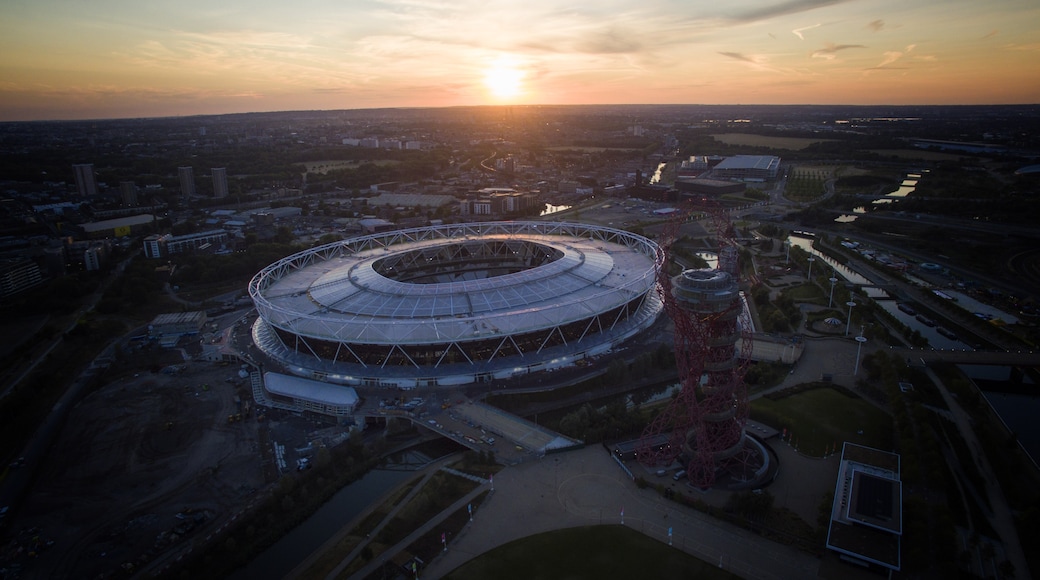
[704, 424]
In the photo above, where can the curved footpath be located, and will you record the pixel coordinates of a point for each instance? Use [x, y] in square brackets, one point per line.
[587, 487]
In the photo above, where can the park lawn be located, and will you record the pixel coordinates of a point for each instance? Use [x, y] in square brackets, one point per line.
[590, 552]
[819, 419]
[749, 140]
[806, 293]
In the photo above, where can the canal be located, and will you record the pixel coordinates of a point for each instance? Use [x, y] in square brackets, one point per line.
[288, 552]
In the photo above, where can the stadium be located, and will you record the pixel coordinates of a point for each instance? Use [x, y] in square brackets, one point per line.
[455, 304]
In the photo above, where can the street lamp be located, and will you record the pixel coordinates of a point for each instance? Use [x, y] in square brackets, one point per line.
[850, 304]
[787, 244]
[830, 300]
[859, 339]
[809, 275]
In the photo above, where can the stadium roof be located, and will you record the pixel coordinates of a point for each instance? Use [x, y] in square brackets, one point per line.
[334, 291]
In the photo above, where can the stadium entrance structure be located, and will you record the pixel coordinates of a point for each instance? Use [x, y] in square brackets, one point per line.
[455, 304]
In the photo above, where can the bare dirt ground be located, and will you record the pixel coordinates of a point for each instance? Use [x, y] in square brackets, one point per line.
[147, 462]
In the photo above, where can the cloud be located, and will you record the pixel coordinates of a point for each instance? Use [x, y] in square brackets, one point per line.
[876, 25]
[612, 41]
[739, 56]
[829, 50]
[990, 34]
[798, 31]
[785, 9]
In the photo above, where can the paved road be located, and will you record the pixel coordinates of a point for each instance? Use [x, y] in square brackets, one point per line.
[586, 487]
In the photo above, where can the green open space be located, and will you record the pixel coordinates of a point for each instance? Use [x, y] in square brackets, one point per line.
[591, 552]
[749, 140]
[818, 416]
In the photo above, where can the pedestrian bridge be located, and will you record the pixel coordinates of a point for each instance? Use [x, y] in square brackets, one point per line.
[919, 356]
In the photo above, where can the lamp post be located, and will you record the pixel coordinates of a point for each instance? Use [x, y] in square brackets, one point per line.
[830, 300]
[859, 347]
[851, 305]
[787, 244]
[809, 275]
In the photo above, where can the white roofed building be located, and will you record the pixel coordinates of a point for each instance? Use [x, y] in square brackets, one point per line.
[748, 168]
[306, 395]
[455, 304]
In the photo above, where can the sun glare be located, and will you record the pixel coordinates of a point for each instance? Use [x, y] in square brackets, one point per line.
[503, 79]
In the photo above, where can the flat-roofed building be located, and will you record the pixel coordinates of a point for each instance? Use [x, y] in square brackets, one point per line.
[748, 168]
[866, 523]
[118, 227]
[170, 327]
[157, 246]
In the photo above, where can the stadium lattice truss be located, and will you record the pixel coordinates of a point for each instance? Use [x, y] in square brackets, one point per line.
[453, 304]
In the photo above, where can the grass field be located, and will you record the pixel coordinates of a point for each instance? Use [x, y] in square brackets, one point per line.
[917, 154]
[592, 553]
[323, 167]
[590, 149]
[818, 418]
[748, 140]
[807, 293]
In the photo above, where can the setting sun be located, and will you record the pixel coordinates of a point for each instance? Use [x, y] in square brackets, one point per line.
[503, 79]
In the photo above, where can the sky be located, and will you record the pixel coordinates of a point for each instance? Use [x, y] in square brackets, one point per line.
[91, 59]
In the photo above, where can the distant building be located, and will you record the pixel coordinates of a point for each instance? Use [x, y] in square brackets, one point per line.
[497, 201]
[413, 145]
[697, 164]
[128, 193]
[220, 188]
[568, 186]
[118, 227]
[85, 183]
[169, 328]
[370, 142]
[748, 168]
[710, 187]
[18, 275]
[376, 225]
[94, 257]
[187, 178]
[475, 206]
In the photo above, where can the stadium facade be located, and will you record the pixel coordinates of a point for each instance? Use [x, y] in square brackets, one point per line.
[455, 304]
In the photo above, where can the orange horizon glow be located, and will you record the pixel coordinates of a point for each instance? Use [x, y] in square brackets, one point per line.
[124, 59]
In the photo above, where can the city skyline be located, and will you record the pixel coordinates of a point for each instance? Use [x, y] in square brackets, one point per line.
[117, 59]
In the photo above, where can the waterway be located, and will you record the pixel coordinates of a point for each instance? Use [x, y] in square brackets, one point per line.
[908, 185]
[657, 174]
[288, 552]
[842, 270]
[551, 209]
[1017, 410]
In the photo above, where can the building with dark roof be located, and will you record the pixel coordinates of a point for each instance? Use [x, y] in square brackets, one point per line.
[866, 523]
